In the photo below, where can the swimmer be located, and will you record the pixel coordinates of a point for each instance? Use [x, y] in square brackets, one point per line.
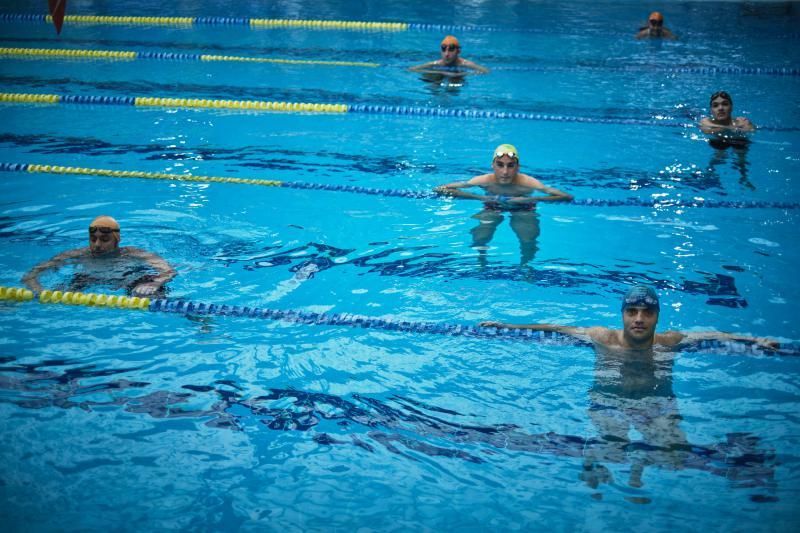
[725, 132]
[451, 63]
[721, 122]
[640, 310]
[655, 28]
[632, 388]
[104, 262]
[506, 190]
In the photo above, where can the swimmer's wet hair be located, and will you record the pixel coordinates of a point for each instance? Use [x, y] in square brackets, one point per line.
[723, 94]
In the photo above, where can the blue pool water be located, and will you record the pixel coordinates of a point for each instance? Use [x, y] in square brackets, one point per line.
[131, 420]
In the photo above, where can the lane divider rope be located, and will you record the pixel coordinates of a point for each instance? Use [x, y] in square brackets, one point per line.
[129, 55]
[188, 22]
[588, 202]
[259, 23]
[181, 56]
[184, 307]
[764, 71]
[297, 107]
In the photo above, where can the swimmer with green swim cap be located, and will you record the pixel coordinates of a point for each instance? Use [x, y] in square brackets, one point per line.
[505, 190]
[104, 262]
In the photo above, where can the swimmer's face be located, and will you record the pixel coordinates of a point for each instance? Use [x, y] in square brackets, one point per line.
[103, 241]
[450, 53]
[505, 168]
[721, 109]
[656, 26]
[639, 323]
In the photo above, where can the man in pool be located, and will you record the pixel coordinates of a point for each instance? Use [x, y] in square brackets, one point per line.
[506, 190]
[722, 123]
[104, 262]
[655, 28]
[451, 64]
[725, 132]
[640, 311]
[632, 387]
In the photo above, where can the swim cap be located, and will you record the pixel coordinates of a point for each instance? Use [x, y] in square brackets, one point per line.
[722, 94]
[655, 15]
[506, 149]
[105, 221]
[450, 40]
[640, 296]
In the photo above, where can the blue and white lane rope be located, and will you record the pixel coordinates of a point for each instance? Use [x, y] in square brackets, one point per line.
[72, 53]
[324, 108]
[355, 189]
[183, 307]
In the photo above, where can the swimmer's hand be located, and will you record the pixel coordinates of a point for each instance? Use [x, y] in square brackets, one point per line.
[492, 324]
[767, 343]
[146, 289]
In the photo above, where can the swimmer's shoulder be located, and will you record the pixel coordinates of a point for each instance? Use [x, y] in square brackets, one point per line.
[669, 338]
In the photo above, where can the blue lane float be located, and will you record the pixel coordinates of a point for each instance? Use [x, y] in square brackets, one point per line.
[453, 330]
[754, 71]
[664, 203]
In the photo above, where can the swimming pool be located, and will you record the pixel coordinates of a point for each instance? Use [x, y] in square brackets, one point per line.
[375, 419]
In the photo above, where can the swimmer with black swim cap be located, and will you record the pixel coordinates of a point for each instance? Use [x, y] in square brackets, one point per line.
[722, 124]
[104, 262]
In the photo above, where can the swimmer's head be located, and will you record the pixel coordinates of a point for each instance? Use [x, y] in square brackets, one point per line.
[104, 235]
[641, 296]
[450, 42]
[656, 19]
[720, 94]
[505, 149]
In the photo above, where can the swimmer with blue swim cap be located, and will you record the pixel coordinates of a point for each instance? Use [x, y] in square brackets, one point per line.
[640, 312]
[450, 64]
[641, 296]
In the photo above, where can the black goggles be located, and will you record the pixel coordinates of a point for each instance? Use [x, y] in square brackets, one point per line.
[101, 229]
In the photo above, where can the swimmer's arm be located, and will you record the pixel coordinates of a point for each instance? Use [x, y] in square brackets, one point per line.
[594, 334]
[740, 125]
[454, 190]
[31, 278]
[423, 67]
[744, 125]
[690, 338]
[474, 66]
[553, 194]
[165, 271]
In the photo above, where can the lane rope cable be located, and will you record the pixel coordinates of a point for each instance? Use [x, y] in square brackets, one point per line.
[319, 108]
[400, 193]
[77, 53]
[184, 307]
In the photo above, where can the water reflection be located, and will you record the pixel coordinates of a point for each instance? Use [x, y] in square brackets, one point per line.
[641, 392]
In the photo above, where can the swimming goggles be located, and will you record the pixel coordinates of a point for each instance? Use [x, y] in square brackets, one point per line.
[101, 229]
[512, 155]
[639, 300]
[656, 22]
[449, 48]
